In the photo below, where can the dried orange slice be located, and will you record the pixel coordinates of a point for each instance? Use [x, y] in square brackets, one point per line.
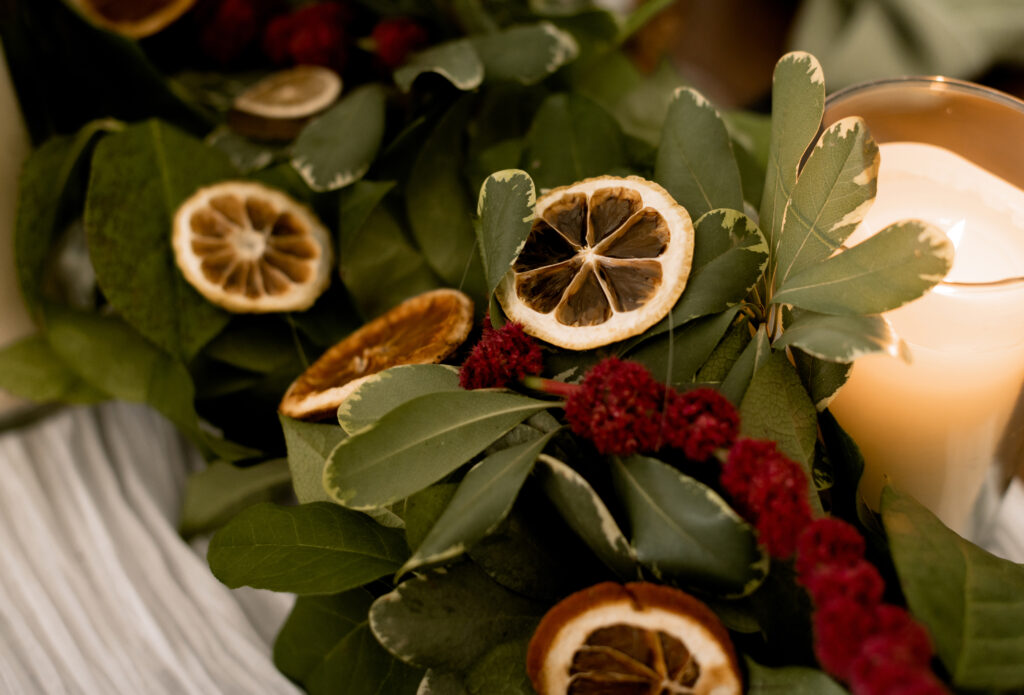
[606, 259]
[251, 249]
[424, 329]
[638, 638]
[135, 19]
[279, 106]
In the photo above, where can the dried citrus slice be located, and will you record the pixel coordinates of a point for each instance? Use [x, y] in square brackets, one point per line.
[606, 259]
[251, 249]
[135, 19]
[424, 329]
[279, 106]
[632, 639]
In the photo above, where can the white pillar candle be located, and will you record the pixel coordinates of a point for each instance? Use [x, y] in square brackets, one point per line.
[936, 427]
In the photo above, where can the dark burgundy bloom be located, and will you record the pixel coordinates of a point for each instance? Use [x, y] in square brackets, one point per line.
[699, 422]
[898, 637]
[860, 582]
[313, 34]
[231, 27]
[895, 678]
[770, 490]
[394, 39]
[501, 357]
[618, 408]
[840, 627]
[828, 541]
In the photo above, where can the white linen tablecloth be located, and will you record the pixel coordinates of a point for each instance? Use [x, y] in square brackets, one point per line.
[99, 595]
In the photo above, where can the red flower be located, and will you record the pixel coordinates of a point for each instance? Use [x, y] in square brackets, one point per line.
[311, 35]
[896, 678]
[618, 408]
[394, 39]
[770, 490]
[840, 627]
[858, 582]
[898, 637]
[699, 422]
[231, 26]
[501, 357]
[828, 541]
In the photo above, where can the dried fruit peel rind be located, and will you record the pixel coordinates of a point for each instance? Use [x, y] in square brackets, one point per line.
[675, 262]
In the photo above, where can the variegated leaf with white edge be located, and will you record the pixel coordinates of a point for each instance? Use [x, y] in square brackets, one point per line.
[798, 103]
[842, 338]
[482, 500]
[695, 162]
[834, 191]
[384, 391]
[327, 162]
[525, 53]
[456, 61]
[587, 515]
[887, 270]
[506, 211]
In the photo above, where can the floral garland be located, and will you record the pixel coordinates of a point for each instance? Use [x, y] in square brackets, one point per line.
[875, 647]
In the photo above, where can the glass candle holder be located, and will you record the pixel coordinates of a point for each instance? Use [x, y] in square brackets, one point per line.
[948, 427]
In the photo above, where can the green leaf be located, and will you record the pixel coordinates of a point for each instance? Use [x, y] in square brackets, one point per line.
[317, 548]
[48, 193]
[263, 344]
[971, 601]
[456, 61]
[723, 358]
[328, 162]
[753, 357]
[777, 407]
[384, 391]
[113, 358]
[246, 155]
[217, 493]
[501, 671]
[309, 444]
[751, 137]
[525, 53]
[420, 442]
[30, 368]
[676, 357]
[483, 499]
[842, 338]
[442, 683]
[831, 196]
[139, 178]
[439, 207]
[572, 138]
[585, 512]
[895, 266]
[684, 532]
[821, 378]
[846, 465]
[423, 509]
[378, 265]
[325, 644]
[789, 680]
[505, 209]
[695, 162]
[798, 102]
[448, 620]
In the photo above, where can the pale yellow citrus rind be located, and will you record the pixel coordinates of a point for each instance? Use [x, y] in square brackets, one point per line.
[299, 296]
[676, 262]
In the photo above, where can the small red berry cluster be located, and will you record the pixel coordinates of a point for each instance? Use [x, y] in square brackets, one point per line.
[315, 33]
[877, 648]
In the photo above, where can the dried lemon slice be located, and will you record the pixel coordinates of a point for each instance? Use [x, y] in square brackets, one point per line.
[424, 329]
[132, 18]
[606, 259]
[251, 249]
[632, 638]
[282, 103]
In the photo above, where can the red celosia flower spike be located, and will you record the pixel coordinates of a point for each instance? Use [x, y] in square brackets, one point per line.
[315, 34]
[699, 421]
[840, 627]
[859, 582]
[896, 678]
[394, 39]
[501, 357]
[828, 541]
[618, 408]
